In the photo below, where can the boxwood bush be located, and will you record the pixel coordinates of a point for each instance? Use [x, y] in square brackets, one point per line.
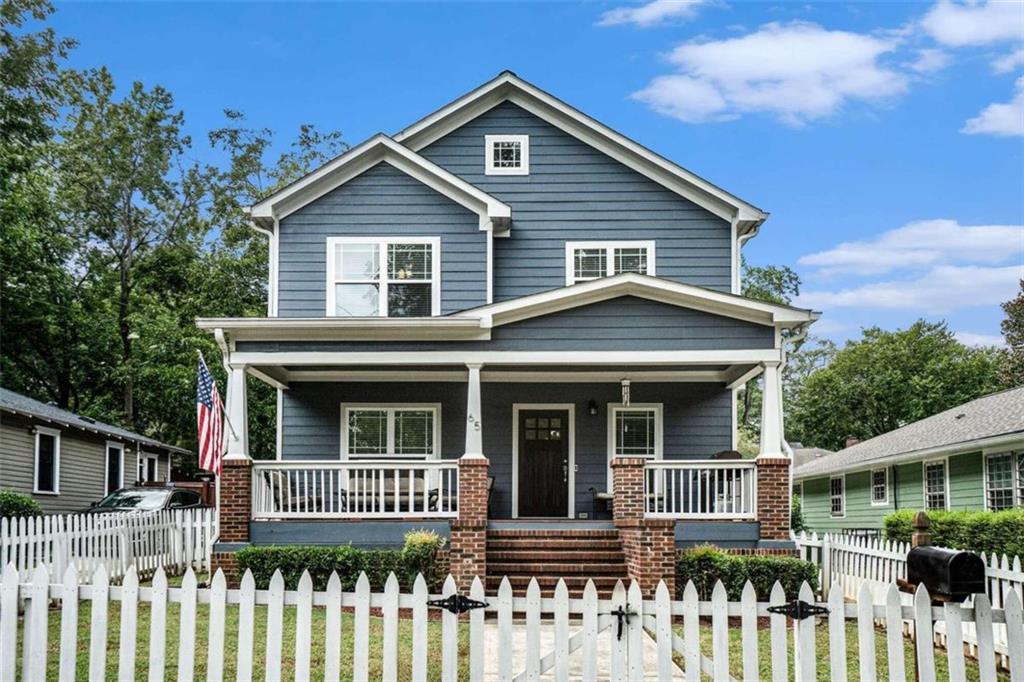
[706, 565]
[418, 555]
[999, 532]
[14, 504]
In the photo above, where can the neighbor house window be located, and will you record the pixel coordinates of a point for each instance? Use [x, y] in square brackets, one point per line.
[377, 277]
[879, 486]
[585, 261]
[1000, 472]
[372, 431]
[935, 485]
[634, 431]
[837, 497]
[46, 478]
[507, 154]
[114, 466]
[148, 470]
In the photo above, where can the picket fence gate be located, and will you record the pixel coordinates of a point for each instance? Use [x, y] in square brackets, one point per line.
[669, 629]
[175, 539]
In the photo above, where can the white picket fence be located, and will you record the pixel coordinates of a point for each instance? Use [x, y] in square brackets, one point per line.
[646, 644]
[174, 539]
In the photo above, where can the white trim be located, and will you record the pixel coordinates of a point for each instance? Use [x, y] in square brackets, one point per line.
[510, 377]
[842, 497]
[106, 466]
[279, 425]
[391, 408]
[383, 280]
[871, 487]
[609, 246]
[524, 155]
[509, 87]
[571, 408]
[142, 460]
[43, 430]
[924, 481]
[1015, 483]
[659, 433]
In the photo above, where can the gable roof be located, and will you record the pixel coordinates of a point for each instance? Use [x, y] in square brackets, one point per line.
[494, 214]
[989, 420]
[643, 286]
[15, 403]
[508, 87]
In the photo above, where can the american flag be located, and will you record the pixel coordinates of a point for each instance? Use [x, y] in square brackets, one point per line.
[209, 415]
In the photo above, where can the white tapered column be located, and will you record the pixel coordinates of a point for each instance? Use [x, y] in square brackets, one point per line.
[236, 430]
[771, 412]
[474, 426]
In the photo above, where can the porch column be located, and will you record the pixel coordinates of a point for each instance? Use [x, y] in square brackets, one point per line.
[771, 412]
[648, 544]
[474, 431]
[234, 485]
[236, 430]
[773, 466]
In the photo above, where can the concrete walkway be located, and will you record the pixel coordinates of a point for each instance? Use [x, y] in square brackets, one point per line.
[547, 636]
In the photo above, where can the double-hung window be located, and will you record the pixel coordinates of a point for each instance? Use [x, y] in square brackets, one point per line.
[837, 497]
[585, 261]
[634, 431]
[402, 431]
[935, 485]
[879, 486]
[383, 277]
[46, 477]
[1004, 488]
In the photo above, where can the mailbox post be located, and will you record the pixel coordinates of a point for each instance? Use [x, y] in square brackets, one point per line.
[920, 537]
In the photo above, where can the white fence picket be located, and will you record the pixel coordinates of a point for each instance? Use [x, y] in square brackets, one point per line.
[275, 625]
[894, 634]
[129, 624]
[837, 634]
[332, 630]
[158, 626]
[805, 659]
[532, 668]
[954, 642]
[215, 643]
[866, 634]
[187, 628]
[617, 662]
[589, 650]
[68, 627]
[98, 625]
[720, 632]
[389, 611]
[635, 633]
[924, 647]
[986, 642]
[691, 632]
[246, 620]
[449, 636]
[36, 635]
[664, 631]
[419, 629]
[304, 627]
[477, 645]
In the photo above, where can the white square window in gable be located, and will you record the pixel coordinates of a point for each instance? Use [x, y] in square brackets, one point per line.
[507, 154]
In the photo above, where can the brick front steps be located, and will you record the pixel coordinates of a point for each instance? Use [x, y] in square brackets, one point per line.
[574, 554]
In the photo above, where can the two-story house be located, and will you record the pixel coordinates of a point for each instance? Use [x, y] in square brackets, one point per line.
[507, 320]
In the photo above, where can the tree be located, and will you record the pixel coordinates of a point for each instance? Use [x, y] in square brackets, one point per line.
[1011, 370]
[885, 380]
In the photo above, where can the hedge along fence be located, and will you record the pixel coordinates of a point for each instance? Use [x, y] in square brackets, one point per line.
[706, 565]
[997, 533]
[418, 555]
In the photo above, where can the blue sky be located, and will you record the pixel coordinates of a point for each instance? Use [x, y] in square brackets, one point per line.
[885, 139]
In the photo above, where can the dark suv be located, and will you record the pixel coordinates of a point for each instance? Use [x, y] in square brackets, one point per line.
[146, 499]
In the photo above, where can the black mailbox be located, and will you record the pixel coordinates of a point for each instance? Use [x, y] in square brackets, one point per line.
[946, 572]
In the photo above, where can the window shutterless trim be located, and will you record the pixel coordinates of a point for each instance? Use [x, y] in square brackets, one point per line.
[383, 280]
[524, 155]
[44, 430]
[842, 496]
[390, 409]
[609, 246]
[871, 487]
[1015, 500]
[944, 461]
[106, 466]
[659, 451]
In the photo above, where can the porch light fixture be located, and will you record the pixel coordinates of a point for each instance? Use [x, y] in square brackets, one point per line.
[592, 407]
[625, 392]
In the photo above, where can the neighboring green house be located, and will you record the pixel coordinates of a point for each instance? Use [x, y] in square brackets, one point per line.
[968, 457]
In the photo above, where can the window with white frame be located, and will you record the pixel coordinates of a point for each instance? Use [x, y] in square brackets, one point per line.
[585, 261]
[115, 467]
[1001, 486]
[383, 277]
[935, 485]
[879, 486]
[404, 431]
[148, 468]
[46, 477]
[837, 496]
[507, 154]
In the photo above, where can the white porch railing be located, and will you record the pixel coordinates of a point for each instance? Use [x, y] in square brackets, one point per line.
[700, 489]
[355, 489]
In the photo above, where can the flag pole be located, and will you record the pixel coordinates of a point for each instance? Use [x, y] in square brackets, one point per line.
[224, 412]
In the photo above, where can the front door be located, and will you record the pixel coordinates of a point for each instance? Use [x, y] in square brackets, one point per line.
[544, 463]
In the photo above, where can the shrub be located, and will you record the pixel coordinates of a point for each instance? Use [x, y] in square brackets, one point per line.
[706, 565]
[999, 532]
[796, 515]
[417, 556]
[15, 505]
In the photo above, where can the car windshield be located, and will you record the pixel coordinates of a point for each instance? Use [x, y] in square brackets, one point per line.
[134, 499]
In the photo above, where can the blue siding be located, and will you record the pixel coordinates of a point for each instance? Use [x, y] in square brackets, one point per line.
[576, 193]
[381, 201]
[697, 423]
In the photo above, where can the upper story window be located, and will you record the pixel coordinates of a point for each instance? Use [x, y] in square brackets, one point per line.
[935, 485]
[585, 261]
[507, 154]
[408, 431]
[47, 461]
[383, 277]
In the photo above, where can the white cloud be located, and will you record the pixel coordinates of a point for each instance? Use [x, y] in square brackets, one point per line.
[975, 23]
[652, 13]
[930, 60]
[939, 290]
[983, 340]
[1009, 62]
[1002, 120]
[922, 243]
[797, 71]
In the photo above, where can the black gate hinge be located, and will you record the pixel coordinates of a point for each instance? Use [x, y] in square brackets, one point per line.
[456, 603]
[799, 609]
[622, 615]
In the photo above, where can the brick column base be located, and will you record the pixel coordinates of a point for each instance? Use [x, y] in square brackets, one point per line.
[227, 562]
[468, 552]
[235, 509]
[649, 544]
[773, 497]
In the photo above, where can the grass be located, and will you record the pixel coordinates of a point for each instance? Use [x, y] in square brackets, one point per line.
[259, 654]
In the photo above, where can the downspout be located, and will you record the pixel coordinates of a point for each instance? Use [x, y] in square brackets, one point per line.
[271, 265]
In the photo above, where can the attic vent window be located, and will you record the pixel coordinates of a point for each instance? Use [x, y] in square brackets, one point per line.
[507, 154]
